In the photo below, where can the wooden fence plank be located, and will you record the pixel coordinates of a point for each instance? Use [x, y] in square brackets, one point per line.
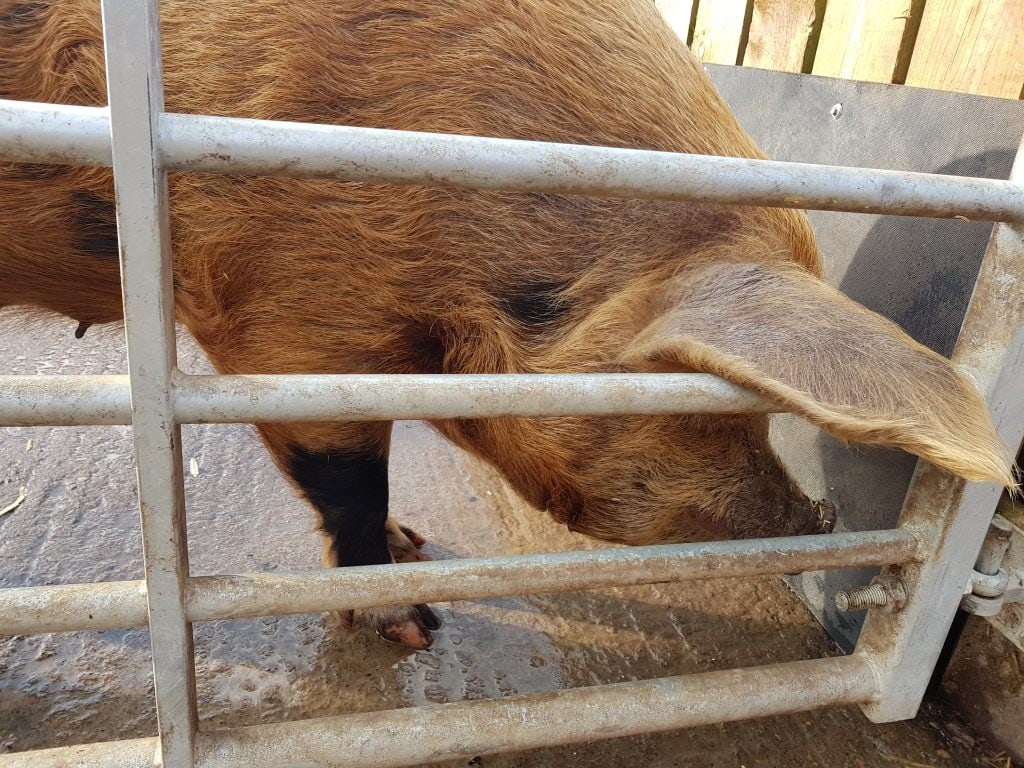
[867, 39]
[780, 32]
[975, 46]
[678, 14]
[719, 30]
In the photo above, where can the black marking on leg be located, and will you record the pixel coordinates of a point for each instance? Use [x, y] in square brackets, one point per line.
[350, 490]
[95, 225]
[19, 14]
[535, 305]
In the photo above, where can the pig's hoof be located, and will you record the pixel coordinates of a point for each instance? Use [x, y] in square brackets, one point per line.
[431, 619]
[406, 626]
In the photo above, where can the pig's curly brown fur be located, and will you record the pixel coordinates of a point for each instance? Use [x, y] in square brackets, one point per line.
[296, 276]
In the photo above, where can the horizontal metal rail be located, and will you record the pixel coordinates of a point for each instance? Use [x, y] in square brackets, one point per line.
[466, 729]
[119, 605]
[80, 135]
[77, 400]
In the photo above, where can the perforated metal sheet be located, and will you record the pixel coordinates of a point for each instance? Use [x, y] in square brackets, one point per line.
[917, 272]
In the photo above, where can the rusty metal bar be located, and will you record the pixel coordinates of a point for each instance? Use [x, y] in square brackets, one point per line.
[947, 514]
[430, 734]
[131, 38]
[115, 605]
[199, 143]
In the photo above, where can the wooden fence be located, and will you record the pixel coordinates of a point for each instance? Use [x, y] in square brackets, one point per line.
[974, 46]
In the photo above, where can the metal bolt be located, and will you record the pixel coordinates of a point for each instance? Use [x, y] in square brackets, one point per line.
[882, 591]
[997, 541]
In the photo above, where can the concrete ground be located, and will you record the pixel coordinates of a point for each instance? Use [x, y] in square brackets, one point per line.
[78, 523]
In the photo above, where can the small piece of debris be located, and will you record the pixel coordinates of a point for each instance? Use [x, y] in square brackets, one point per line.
[28, 445]
[960, 734]
[14, 504]
[193, 467]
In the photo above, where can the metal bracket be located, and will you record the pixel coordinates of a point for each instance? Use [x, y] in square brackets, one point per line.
[1009, 617]
[986, 589]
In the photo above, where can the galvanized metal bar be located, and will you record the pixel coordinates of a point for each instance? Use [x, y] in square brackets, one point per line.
[234, 145]
[948, 515]
[32, 132]
[418, 735]
[225, 399]
[30, 610]
[60, 401]
[130, 753]
[77, 400]
[131, 37]
[262, 594]
[263, 147]
[72, 607]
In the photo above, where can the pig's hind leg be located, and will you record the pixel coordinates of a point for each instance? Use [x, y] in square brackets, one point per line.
[348, 485]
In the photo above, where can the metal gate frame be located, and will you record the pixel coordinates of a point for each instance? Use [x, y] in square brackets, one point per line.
[942, 525]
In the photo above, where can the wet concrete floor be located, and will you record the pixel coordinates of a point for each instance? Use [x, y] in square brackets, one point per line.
[78, 523]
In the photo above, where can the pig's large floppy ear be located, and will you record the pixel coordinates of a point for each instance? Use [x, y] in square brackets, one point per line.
[793, 339]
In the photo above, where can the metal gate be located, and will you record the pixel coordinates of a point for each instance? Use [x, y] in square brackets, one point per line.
[931, 552]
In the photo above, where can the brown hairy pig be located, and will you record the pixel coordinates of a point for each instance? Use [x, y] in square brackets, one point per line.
[276, 275]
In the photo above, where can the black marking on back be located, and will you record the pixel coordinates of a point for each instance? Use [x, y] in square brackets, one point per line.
[350, 490]
[535, 305]
[19, 14]
[94, 225]
[427, 344]
[36, 171]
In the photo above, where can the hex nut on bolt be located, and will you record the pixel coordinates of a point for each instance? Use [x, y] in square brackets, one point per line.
[883, 591]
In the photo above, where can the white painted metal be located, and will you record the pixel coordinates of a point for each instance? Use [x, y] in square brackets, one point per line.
[948, 515]
[132, 48]
[118, 605]
[417, 735]
[33, 132]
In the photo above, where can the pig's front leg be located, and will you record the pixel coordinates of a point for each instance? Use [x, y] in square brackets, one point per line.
[348, 485]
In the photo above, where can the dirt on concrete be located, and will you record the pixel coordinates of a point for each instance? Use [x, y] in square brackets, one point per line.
[78, 523]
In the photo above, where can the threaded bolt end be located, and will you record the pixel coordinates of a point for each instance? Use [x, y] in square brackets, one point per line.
[879, 593]
[861, 598]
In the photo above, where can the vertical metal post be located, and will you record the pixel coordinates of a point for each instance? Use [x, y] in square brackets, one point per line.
[949, 516]
[135, 92]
